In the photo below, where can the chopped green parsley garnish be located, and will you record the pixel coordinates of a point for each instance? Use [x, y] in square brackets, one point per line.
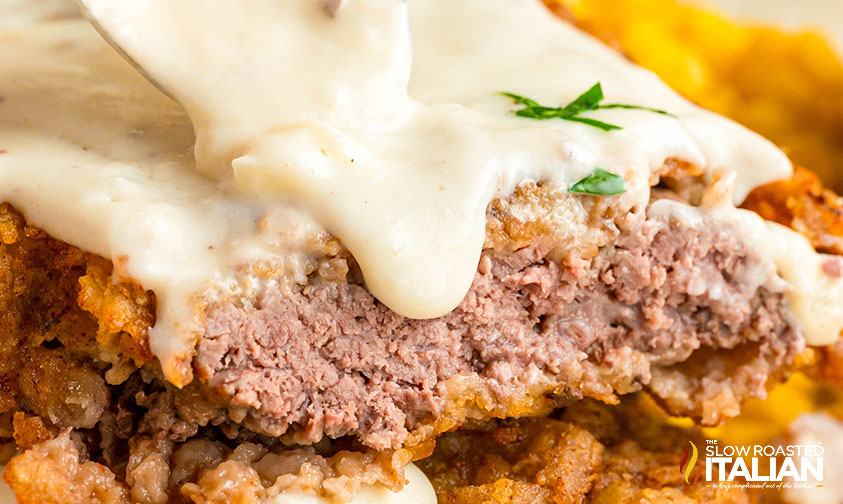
[601, 183]
[586, 102]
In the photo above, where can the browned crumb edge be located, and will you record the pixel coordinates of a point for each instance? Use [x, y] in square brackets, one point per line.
[588, 452]
[74, 354]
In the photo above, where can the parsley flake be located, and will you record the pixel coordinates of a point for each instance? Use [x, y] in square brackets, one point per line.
[586, 102]
[601, 183]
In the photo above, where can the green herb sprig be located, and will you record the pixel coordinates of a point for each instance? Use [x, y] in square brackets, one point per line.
[601, 183]
[586, 102]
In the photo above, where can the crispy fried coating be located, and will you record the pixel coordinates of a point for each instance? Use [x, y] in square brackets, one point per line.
[53, 351]
[803, 204]
[816, 212]
[528, 461]
[54, 291]
[591, 453]
[588, 452]
[51, 473]
[230, 482]
[539, 213]
[200, 470]
[60, 389]
[124, 311]
[830, 364]
[29, 431]
[38, 282]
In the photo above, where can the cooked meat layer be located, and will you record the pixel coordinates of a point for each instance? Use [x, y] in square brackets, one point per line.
[328, 358]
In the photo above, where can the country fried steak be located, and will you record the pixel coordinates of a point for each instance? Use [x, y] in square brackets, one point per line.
[674, 308]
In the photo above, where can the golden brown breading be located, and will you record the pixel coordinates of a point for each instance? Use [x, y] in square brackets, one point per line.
[827, 364]
[592, 453]
[124, 311]
[30, 431]
[816, 212]
[51, 473]
[43, 273]
[52, 350]
[803, 204]
[201, 471]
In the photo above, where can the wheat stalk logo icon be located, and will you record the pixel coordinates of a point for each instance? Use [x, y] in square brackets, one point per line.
[686, 466]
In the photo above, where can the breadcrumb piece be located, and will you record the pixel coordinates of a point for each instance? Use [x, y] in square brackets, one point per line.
[229, 483]
[124, 311]
[803, 204]
[29, 431]
[51, 473]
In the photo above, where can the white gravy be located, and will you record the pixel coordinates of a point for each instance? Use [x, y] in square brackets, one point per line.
[384, 120]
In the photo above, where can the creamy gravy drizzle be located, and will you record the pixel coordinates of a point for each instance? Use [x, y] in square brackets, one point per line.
[381, 125]
[384, 120]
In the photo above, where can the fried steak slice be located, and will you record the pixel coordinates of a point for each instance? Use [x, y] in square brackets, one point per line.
[661, 304]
